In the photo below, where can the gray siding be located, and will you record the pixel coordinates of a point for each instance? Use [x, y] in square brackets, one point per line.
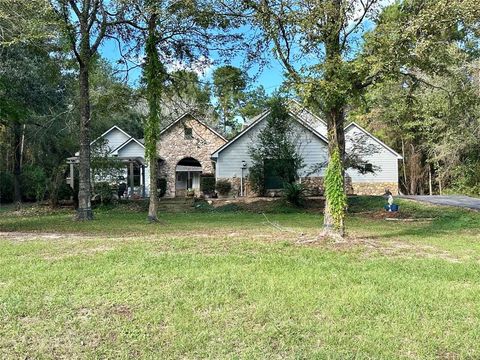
[385, 160]
[229, 162]
[115, 138]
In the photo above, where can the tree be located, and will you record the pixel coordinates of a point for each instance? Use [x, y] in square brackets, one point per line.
[169, 32]
[275, 154]
[86, 24]
[229, 84]
[428, 93]
[322, 32]
[185, 92]
[31, 90]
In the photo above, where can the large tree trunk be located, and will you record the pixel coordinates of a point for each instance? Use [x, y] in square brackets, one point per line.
[153, 204]
[84, 211]
[336, 142]
[153, 79]
[335, 109]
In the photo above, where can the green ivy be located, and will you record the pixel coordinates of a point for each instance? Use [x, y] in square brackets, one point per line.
[334, 189]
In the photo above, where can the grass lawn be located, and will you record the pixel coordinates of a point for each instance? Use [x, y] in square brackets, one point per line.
[240, 284]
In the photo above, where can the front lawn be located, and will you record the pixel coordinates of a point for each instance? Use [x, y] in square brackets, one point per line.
[240, 284]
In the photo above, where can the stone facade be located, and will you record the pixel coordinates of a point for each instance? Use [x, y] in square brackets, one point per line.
[174, 146]
[373, 188]
[315, 187]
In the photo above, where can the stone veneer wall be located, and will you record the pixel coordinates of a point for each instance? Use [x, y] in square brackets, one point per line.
[374, 188]
[173, 147]
[315, 187]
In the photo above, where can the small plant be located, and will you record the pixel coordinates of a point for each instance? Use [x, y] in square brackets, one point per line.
[190, 192]
[223, 187]
[161, 187]
[207, 184]
[294, 193]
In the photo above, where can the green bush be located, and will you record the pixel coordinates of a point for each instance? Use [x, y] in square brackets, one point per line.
[207, 184]
[65, 192]
[223, 187]
[294, 193]
[6, 187]
[105, 191]
[34, 183]
[161, 187]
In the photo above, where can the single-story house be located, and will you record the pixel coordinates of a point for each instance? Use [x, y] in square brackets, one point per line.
[117, 144]
[188, 147]
[233, 159]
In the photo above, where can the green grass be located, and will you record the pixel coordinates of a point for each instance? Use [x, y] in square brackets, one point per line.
[229, 284]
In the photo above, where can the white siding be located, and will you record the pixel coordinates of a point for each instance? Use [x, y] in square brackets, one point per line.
[115, 138]
[133, 150]
[229, 162]
[385, 160]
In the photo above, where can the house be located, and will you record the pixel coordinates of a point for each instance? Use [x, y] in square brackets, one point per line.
[233, 159]
[117, 144]
[184, 151]
[188, 148]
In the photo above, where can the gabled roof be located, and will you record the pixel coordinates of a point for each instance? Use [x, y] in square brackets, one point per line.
[120, 147]
[261, 117]
[109, 130]
[193, 117]
[114, 127]
[399, 157]
[302, 110]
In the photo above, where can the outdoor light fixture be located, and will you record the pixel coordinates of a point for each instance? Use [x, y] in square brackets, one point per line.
[244, 166]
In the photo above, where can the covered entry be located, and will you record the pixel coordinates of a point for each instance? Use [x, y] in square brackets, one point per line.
[187, 175]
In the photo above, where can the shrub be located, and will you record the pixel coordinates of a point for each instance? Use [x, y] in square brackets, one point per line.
[6, 187]
[65, 192]
[161, 187]
[294, 193]
[207, 184]
[34, 183]
[105, 191]
[223, 187]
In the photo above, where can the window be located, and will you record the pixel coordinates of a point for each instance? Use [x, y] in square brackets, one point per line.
[368, 167]
[188, 132]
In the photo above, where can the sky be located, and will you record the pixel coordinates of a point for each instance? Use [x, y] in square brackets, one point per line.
[270, 76]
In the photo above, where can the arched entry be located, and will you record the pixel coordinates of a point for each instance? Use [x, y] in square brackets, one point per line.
[187, 176]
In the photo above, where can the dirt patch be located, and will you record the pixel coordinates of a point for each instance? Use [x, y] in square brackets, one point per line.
[374, 247]
[50, 236]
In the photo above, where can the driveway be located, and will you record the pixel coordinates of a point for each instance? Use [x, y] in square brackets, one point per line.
[449, 200]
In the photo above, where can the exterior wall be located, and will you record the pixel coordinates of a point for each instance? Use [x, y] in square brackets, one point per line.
[173, 147]
[383, 159]
[115, 138]
[314, 185]
[134, 150]
[313, 150]
[374, 188]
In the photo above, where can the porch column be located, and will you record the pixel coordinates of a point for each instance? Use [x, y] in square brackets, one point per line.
[143, 180]
[131, 178]
[72, 174]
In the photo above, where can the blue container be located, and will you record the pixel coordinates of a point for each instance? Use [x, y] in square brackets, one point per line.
[391, 208]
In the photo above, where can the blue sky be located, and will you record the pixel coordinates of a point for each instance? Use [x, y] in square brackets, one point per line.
[271, 76]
